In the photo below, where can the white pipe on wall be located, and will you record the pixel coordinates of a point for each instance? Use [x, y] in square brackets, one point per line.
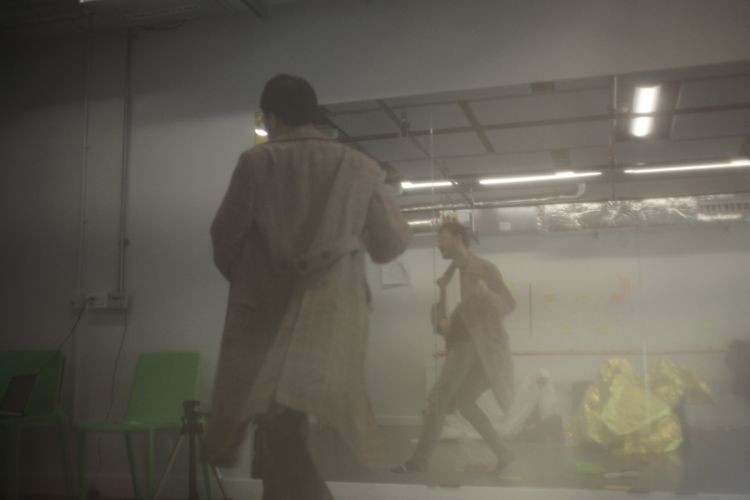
[84, 169]
[122, 242]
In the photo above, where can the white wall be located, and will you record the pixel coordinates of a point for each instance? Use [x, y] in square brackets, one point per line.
[195, 90]
[676, 292]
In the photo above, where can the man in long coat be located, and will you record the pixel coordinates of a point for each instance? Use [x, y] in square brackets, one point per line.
[477, 351]
[290, 236]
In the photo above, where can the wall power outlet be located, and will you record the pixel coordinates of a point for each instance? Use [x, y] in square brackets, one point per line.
[112, 301]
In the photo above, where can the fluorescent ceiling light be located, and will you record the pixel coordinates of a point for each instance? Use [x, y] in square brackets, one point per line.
[738, 163]
[425, 222]
[641, 126]
[646, 99]
[557, 176]
[261, 132]
[720, 217]
[424, 185]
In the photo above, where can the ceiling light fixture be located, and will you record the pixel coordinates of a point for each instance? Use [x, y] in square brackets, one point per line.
[736, 163]
[641, 126]
[425, 185]
[557, 176]
[720, 217]
[645, 100]
[261, 132]
[424, 222]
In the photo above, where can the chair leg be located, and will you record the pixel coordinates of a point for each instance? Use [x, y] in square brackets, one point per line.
[149, 463]
[131, 463]
[12, 457]
[81, 448]
[62, 430]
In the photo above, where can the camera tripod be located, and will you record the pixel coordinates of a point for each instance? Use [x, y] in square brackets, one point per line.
[192, 429]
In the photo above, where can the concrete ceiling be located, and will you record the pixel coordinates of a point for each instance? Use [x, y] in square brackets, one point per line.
[703, 115]
[34, 19]
[463, 135]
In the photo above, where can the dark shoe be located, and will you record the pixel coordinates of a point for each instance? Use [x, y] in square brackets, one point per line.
[411, 465]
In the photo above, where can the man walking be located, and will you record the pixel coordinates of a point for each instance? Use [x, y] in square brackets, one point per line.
[291, 235]
[477, 353]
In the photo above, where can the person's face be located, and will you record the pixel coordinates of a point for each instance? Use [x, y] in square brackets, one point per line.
[449, 244]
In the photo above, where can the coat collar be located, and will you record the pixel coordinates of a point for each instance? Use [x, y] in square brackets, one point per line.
[473, 264]
[301, 133]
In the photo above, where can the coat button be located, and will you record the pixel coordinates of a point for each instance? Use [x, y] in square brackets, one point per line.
[302, 265]
[284, 267]
[325, 255]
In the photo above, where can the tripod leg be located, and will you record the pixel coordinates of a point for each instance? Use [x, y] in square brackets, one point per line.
[172, 458]
[192, 463]
[206, 477]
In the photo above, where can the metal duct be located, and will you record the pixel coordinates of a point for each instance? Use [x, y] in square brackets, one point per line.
[650, 212]
[490, 220]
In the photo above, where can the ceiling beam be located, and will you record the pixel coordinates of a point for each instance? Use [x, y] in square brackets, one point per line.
[553, 121]
[476, 126]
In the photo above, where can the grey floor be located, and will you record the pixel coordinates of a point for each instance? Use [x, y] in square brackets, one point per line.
[716, 461]
[712, 462]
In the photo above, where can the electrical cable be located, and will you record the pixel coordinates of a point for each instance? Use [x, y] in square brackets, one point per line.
[59, 347]
[72, 329]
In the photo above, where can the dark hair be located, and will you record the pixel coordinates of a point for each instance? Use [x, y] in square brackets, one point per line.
[456, 229]
[292, 99]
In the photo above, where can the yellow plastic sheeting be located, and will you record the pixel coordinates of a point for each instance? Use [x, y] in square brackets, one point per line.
[621, 415]
[673, 383]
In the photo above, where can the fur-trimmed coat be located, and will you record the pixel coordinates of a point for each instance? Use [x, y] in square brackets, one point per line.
[291, 236]
[482, 318]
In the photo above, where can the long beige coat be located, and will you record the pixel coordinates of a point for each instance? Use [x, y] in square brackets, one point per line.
[290, 236]
[483, 320]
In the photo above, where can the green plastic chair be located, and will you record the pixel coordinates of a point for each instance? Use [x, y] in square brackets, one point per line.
[42, 410]
[162, 381]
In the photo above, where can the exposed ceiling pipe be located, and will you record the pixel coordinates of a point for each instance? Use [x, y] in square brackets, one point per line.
[466, 195]
[613, 133]
[580, 191]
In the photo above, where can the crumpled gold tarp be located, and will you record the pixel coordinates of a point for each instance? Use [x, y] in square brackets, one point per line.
[618, 413]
